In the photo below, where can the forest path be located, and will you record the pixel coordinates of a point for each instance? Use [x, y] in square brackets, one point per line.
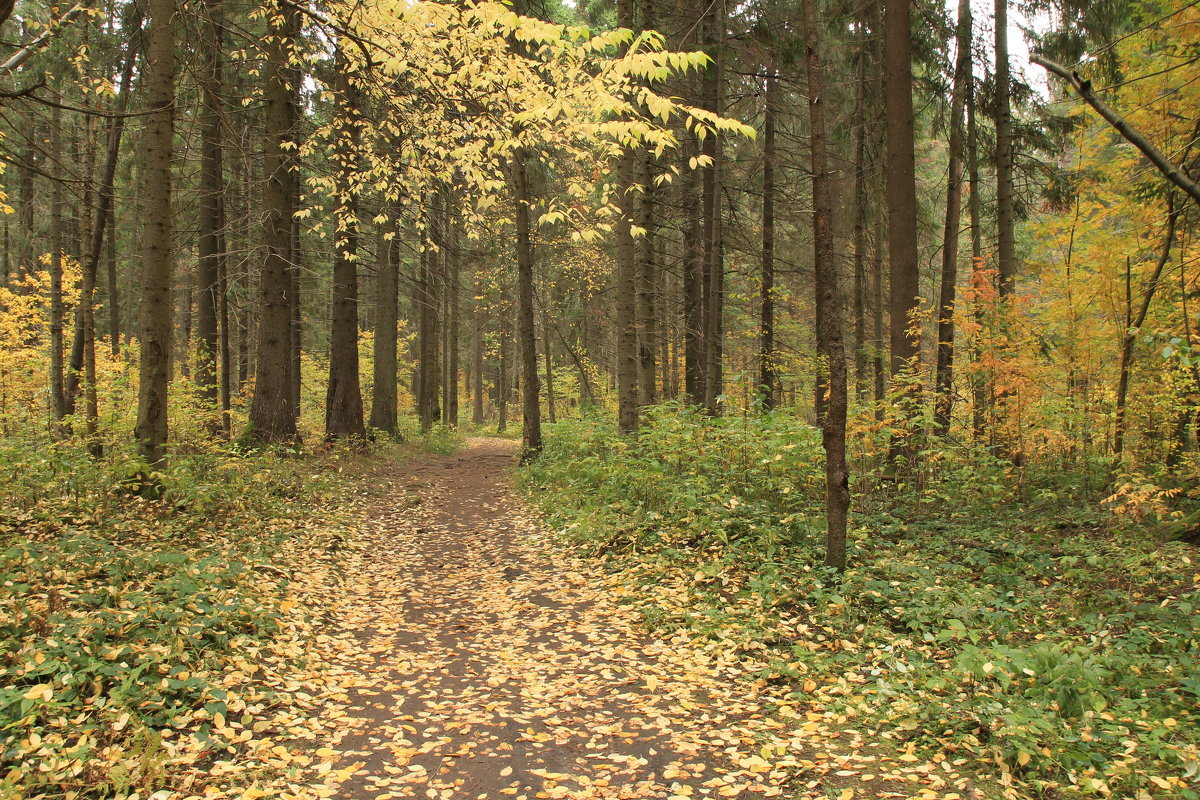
[479, 663]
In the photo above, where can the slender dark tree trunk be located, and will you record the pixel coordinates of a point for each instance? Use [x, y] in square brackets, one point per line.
[944, 394]
[767, 379]
[548, 354]
[837, 485]
[453, 275]
[979, 383]
[273, 409]
[502, 379]
[526, 332]
[1006, 262]
[694, 349]
[212, 189]
[384, 399]
[225, 344]
[295, 269]
[158, 86]
[114, 294]
[58, 408]
[477, 349]
[426, 390]
[860, 222]
[343, 394]
[647, 289]
[714, 260]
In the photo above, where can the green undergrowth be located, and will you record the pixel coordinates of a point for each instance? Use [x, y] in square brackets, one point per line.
[129, 627]
[1036, 634]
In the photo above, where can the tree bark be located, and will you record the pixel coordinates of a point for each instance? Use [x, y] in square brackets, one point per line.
[714, 260]
[526, 332]
[343, 394]
[273, 408]
[944, 380]
[767, 379]
[837, 486]
[384, 401]
[158, 85]
[212, 187]
[1006, 259]
[58, 408]
[901, 183]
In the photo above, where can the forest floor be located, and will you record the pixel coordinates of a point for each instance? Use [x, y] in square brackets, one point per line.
[476, 659]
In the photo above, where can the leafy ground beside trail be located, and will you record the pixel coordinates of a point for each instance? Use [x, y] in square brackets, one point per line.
[143, 643]
[394, 625]
[986, 630]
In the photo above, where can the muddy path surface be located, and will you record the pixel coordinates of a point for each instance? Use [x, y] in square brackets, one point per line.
[480, 662]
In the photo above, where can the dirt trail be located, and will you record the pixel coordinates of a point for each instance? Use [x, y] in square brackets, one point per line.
[481, 665]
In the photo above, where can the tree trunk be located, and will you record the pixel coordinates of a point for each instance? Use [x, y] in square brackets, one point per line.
[549, 356]
[158, 85]
[114, 295]
[426, 389]
[58, 408]
[1005, 213]
[860, 222]
[767, 379]
[694, 358]
[477, 349]
[714, 261]
[837, 487]
[901, 190]
[526, 333]
[979, 388]
[384, 401]
[453, 275]
[944, 394]
[273, 408]
[501, 380]
[212, 187]
[343, 394]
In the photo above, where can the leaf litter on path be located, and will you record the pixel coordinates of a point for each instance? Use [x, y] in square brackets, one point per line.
[466, 655]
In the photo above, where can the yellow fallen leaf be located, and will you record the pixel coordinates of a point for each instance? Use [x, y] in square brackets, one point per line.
[846, 794]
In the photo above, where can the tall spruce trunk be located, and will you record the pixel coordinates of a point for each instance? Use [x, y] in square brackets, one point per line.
[273, 408]
[944, 378]
[694, 349]
[837, 485]
[343, 393]
[212, 188]
[453, 275]
[901, 186]
[58, 408]
[477, 348]
[526, 332]
[158, 86]
[860, 222]
[714, 258]
[426, 389]
[1005, 213]
[980, 386]
[384, 400]
[767, 379]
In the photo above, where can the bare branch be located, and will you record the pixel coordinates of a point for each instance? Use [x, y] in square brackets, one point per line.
[1083, 87]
